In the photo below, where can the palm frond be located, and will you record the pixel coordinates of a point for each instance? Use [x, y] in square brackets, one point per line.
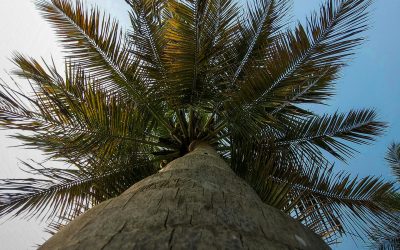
[60, 192]
[200, 36]
[147, 38]
[256, 32]
[313, 90]
[393, 158]
[183, 49]
[222, 29]
[388, 244]
[72, 119]
[357, 126]
[331, 204]
[93, 40]
[389, 237]
[259, 29]
[298, 57]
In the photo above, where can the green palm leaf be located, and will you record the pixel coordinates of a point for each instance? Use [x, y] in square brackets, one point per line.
[92, 40]
[95, 43]
[357, 126]
[200, 36]
[261, 26]
[389, 237]
[328, 39]
[302, 65]
[72, 119]
[146, 38]
[329, 203]
[393, 158]
[62, 191]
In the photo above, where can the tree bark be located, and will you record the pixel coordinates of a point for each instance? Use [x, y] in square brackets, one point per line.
[195, 202]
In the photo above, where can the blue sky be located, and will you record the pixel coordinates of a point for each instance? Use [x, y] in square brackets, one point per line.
[370, 81]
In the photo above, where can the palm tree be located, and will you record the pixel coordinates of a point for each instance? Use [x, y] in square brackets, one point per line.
[191, 128]
[390, 238]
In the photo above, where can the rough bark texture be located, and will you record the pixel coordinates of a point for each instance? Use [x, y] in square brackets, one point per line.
[195, 202]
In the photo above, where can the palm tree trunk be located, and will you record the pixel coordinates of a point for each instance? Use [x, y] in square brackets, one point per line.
[195, 202]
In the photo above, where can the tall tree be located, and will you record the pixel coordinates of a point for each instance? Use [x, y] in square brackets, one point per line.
[195, 91]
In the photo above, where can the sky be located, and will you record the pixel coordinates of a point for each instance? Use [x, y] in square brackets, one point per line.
[370, 81]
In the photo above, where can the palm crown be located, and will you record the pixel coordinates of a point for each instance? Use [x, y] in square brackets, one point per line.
[129, 102]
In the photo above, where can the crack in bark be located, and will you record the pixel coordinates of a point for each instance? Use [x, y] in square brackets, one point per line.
[212, 200]
[89, 221]
[108, 203]
[166, 219]
[262, 230]
[241, 239]
[177, 191]
[159, 202]
[262, 211]
[224, 198]
[126, 203]
[112, 237]
[180, 201]
[171, 237]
